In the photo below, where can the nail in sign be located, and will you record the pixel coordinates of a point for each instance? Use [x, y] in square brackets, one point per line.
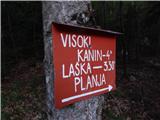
[84, 63]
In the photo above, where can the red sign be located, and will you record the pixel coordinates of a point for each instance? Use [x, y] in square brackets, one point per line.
[84, 63]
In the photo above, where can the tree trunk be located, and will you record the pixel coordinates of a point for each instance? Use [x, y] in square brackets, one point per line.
[90, 109]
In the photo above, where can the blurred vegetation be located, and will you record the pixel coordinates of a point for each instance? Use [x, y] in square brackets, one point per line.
[22, 36]
[23, 94]
[139, 21]
[22, 29]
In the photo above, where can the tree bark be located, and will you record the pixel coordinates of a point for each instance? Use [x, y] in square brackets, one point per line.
[90, 109]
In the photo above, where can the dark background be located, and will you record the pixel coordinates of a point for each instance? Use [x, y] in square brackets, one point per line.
[137, 70]
[22, 33]
[22, 30]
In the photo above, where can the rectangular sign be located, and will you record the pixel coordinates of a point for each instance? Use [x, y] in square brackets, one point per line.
[84, 63]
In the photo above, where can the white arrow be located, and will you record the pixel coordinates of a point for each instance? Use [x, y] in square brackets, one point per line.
[109, 88]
